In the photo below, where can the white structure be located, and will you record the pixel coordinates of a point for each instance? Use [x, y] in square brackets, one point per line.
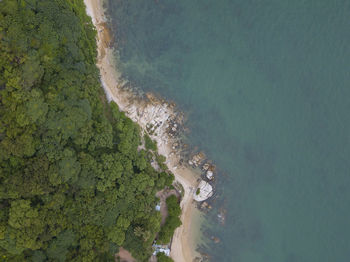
[161, 248]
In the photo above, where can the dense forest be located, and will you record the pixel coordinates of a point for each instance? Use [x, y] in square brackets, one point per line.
[74, 184]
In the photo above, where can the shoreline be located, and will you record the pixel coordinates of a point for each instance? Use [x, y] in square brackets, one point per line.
[150, 113]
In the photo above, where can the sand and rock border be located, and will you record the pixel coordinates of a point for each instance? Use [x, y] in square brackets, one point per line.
[161, 121]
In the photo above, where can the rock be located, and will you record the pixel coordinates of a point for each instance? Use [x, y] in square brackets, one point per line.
[206, 166]
[197, 159]
[203, 191]
[210, 175]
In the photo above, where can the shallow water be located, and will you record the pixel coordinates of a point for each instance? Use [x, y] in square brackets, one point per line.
[266, 87]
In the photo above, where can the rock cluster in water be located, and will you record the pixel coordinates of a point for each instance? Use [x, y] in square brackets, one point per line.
[204, 189]
[161, 122]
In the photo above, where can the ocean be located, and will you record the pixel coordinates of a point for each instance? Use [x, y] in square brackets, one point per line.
[266, 89]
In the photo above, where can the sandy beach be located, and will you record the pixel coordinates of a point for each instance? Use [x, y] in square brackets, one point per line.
[149, 112]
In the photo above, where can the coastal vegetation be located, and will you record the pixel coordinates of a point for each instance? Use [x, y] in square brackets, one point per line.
[73, 184]
[161, 257]
[150, 144]
[172, 221]
[161, 161]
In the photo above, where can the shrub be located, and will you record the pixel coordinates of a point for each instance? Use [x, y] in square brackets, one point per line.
[172, 221]
[150, 144]
[161, 257]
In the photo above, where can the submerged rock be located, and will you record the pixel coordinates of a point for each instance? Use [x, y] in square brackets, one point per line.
[215, 239]
[203, 192]
[204, 205]
[222, 216]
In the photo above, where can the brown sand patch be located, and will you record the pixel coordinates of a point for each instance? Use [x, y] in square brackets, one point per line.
[124, 256]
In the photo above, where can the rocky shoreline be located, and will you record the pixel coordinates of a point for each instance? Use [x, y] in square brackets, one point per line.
[163, 123]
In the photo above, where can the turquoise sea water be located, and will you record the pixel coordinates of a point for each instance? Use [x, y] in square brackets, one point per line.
[266, 86]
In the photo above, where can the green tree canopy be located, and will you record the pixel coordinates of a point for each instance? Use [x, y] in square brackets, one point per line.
[73, 184]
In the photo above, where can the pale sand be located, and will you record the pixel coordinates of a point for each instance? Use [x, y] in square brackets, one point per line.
[146, 111]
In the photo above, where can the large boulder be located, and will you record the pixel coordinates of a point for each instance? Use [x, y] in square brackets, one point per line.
[210, 175]
[203, 191]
